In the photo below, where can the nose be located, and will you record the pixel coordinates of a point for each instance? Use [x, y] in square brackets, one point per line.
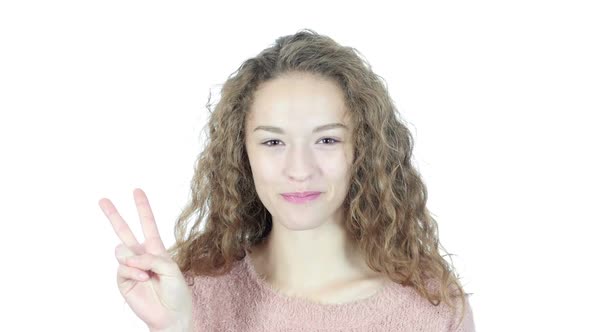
[299, 164]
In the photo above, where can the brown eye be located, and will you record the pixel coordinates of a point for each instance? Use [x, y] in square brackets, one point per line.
[270, 145]
[328, 140]
[331, 139]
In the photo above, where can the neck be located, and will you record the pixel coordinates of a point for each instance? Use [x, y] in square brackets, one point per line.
[303, 261]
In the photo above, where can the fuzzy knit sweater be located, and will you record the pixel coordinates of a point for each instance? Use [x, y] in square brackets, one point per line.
[242, 301]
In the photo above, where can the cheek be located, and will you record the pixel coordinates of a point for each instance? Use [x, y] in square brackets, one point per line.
[263, 171]
[336, 172]
[335, 166]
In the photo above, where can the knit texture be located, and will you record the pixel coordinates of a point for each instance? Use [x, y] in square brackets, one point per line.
[242, 301]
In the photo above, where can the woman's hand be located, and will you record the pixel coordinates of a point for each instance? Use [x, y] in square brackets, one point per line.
[148, 278]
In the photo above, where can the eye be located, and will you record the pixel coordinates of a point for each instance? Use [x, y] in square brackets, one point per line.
[269, 143]
[330, 138]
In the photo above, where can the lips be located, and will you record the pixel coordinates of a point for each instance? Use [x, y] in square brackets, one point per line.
[302, 197]
[301, 194]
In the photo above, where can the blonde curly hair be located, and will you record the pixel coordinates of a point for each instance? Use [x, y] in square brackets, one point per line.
[385, 209]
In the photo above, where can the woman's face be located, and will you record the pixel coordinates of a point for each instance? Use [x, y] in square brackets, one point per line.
[298, 140]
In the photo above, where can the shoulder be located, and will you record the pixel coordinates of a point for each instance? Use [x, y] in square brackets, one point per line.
[465, 323]
[418, 313]
[203, 282]
[219, 301]
[218, 290]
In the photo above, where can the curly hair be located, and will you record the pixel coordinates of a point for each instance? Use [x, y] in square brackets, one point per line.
[385, 209]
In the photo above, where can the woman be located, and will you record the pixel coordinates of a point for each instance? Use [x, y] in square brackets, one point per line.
[309, 213]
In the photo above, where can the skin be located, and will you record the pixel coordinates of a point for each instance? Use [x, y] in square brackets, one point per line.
[162, 298]
[307, 253]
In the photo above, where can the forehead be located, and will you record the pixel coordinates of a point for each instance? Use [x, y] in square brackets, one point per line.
[298, 100]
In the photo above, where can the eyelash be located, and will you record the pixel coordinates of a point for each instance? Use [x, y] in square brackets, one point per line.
[325, 138]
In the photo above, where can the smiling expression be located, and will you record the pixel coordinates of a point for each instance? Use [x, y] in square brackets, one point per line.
[298, 140]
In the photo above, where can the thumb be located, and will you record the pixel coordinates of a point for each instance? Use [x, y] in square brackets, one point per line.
[160, 265]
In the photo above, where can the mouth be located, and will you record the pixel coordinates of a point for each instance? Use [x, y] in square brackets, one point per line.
[301, 193]
[299, 198]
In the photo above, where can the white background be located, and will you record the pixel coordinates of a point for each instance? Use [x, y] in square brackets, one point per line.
[97, 98]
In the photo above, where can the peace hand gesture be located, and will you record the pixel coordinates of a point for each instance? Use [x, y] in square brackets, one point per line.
[148, 278]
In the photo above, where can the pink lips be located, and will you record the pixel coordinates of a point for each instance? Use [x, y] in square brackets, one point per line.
[303, 197]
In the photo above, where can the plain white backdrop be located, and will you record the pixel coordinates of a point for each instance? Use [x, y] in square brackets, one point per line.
[100, 97]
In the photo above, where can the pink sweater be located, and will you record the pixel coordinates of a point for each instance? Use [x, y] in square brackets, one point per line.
[242, 301]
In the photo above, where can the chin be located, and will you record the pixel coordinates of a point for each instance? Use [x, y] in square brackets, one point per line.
[298, 225]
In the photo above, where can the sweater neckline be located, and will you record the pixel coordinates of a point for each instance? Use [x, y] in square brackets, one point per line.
[302, 312]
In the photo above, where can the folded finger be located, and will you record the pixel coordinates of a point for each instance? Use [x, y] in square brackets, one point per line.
[125, 272]
[157, 264]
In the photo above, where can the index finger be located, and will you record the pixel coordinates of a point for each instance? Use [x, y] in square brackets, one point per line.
[148, 222]
[119, 225]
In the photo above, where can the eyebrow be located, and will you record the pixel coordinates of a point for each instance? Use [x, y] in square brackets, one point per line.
[315, 130]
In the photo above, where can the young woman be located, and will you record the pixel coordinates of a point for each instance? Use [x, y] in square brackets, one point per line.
[309, 214]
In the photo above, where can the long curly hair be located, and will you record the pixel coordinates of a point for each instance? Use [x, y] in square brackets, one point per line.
[385, 209]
